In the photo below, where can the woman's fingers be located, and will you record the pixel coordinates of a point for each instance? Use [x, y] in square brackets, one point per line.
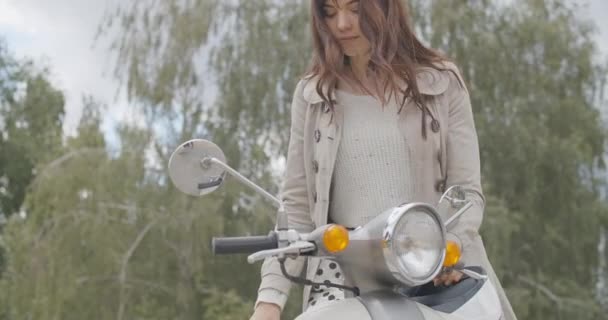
[453, 277]
[439, 279]
[448, 278]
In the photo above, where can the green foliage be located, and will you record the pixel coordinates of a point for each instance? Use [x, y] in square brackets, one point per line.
[102, 240]
[257, 65]
[534, 83]
[31, 117]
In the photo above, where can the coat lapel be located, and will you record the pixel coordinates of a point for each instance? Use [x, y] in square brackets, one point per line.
[430, 82]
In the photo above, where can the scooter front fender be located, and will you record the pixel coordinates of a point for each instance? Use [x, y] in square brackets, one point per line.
[374, 306]
[350, 308]
[368, 307]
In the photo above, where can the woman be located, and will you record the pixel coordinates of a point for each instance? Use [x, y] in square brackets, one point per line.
[380, 119]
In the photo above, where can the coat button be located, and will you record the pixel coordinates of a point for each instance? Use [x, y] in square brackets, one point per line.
[315, 166]
[325, 108]
[317, 135]
[314, 196]
[435, 125]
[440, 186]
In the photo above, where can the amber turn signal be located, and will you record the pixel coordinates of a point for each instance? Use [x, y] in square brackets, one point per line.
[452, 254]
[335, 238]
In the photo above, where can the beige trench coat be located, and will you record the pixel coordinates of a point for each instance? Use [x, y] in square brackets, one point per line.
[449, 156]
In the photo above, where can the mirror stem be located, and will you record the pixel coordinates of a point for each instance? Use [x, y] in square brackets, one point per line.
[458, 214]
[282, 222]
[207, 161]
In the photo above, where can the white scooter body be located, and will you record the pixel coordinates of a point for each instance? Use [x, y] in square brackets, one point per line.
[381, 261]
[484, 305]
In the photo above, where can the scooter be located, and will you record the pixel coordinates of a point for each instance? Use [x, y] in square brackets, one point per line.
[388, 264]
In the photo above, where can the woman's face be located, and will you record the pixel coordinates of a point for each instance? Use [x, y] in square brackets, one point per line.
[342, 17]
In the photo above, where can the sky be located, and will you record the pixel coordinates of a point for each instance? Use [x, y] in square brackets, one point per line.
[597, 12]
[60, 34]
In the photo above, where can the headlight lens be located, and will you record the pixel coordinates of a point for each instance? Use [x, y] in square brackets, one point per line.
[416, 244]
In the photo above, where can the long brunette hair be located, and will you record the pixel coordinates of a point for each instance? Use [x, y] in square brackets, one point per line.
[396, 53]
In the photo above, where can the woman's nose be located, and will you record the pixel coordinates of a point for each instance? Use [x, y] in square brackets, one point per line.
[344, 21]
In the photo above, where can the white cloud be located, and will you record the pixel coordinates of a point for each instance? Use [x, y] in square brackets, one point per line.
[61, 34]
[10, 16]
[597, 11]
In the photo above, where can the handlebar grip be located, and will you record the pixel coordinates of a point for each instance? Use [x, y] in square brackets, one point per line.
[232, 245]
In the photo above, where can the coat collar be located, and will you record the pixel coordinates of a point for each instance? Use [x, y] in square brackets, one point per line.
[430, 82]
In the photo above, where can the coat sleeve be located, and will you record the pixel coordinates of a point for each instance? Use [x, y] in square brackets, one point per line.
[274, 287]
[463, 167]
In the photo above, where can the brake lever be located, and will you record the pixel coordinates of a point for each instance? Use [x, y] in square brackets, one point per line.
[474, 275]
[297, 247]
[460, 266]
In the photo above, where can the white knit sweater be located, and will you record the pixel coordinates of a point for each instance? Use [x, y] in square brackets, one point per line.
[372, 168]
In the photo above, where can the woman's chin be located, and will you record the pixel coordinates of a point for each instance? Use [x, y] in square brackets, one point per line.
[352, 52]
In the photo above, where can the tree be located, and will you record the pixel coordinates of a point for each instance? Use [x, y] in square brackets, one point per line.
[31, 118]
[104, 239]
[165, 73]
[530, 67]
[534, 81]
[107, 235]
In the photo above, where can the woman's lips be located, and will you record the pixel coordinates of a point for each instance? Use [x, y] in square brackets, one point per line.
[349, 38]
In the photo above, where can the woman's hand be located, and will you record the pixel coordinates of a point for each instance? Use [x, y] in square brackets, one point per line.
[266, 311]
[447, 278]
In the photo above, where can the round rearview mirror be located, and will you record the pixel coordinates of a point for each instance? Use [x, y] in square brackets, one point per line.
[190, 174]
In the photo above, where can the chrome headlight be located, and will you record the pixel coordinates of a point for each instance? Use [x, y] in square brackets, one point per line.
[414, 243]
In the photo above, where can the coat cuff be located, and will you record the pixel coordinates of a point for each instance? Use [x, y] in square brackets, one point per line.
[270, 295]
[273, 288]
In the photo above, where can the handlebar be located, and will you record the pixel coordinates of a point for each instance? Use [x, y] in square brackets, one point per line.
[233, 245]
